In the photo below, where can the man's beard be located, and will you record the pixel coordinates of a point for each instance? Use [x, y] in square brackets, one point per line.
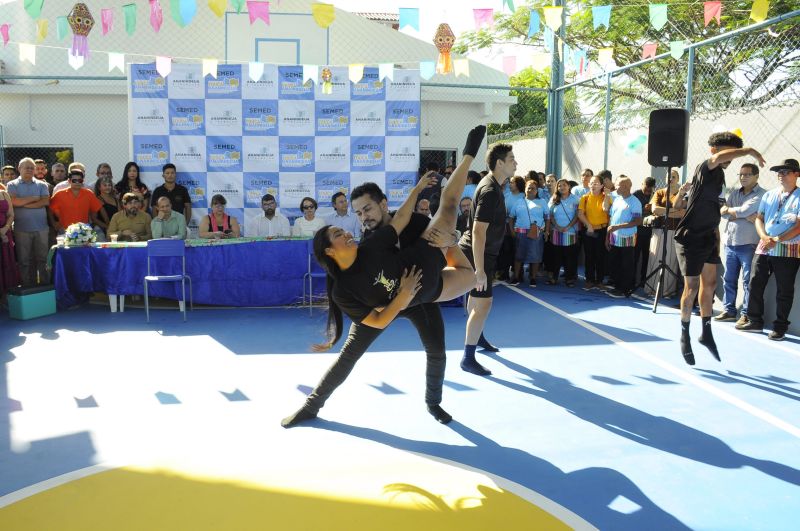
[270, 212]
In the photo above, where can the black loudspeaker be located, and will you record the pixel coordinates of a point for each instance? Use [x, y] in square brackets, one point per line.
[668, 139]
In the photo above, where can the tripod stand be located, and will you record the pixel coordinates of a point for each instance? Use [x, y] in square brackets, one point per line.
[662, 267]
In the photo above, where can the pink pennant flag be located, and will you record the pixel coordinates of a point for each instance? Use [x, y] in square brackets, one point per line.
[712, 11]
[4, 32]
[509, 64]
[156, 15]
[649, 50]
[107, 18]
[483, 17]
[258, 10]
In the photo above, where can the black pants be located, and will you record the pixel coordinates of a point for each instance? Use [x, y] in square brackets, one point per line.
[623, 267]
[505, 258]
[642, 257]
[594, 248]
[785, 270]
[566, 257]
[426, 318]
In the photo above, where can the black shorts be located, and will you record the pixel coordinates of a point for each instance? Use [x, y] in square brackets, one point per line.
[489, 266]
[692, 256]
[431, 261]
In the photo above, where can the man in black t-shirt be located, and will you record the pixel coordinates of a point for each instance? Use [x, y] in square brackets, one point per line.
[697, 235]
[481, 243]
[177, 194]
[644, 234]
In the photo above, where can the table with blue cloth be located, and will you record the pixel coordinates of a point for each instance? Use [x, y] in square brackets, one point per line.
[241, 272]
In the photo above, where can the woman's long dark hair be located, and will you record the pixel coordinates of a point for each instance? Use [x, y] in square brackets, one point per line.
[556, 198]
[333, 328]
[122, 185]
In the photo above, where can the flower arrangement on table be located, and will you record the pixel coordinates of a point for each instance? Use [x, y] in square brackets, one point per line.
[80, 234]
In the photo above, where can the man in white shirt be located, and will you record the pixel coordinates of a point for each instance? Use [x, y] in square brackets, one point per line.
[272, 224]
[342, 217]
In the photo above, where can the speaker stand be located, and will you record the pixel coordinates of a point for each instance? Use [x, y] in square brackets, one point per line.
[662, 267]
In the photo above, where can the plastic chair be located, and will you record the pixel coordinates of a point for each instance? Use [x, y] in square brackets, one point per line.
[165, 248]
[313, 271]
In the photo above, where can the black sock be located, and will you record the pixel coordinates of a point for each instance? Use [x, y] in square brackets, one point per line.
[485, 345]
[439, 414]
[469, 352]
[707, 339]
[469, 364]
[297, 417]
[686, 343]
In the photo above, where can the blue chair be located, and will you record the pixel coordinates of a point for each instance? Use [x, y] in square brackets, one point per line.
[313, 271]
[167, 248]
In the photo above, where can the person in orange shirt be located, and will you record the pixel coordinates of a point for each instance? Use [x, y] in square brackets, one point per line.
[593, 213]
[75, 204]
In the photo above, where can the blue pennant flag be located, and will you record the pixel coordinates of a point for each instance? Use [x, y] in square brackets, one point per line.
[409, 16]
[548, 39]
[533, 26]
[601, 16]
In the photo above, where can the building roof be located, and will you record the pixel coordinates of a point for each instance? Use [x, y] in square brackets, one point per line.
[380, 17]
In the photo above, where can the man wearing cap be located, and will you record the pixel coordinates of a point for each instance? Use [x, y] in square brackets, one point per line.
[778, 251]
[76, 204]
[30, 197]
[697, 235]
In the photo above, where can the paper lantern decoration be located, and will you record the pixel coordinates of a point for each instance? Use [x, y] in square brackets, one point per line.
[326, 76]
[738, 132]
[81, 22]
[444, 40]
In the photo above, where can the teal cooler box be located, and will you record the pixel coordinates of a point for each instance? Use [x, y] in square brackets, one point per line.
[29, 303]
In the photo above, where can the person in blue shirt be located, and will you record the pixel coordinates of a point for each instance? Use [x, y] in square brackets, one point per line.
[625, 215]
[530, 215]
[778, 251]
[564, 233]
[473, 178]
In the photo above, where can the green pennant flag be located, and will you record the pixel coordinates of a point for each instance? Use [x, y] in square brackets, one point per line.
[238, 4]
[34, 7]
[658, 15]
[676, 49]
[62, 28]
[175, 9]
[130, 18]
[510, 4]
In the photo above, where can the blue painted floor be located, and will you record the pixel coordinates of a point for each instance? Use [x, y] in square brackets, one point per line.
[589, 405]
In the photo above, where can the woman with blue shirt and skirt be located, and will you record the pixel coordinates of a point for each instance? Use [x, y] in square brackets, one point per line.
[564, 235]
[531, 226]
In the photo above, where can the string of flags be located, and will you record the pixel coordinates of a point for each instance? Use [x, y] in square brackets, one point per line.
[548, 22]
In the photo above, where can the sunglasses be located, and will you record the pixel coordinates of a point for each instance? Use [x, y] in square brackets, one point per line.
[308, 207]
[76, 179]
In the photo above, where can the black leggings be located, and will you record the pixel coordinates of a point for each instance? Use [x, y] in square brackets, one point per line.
[426, 318]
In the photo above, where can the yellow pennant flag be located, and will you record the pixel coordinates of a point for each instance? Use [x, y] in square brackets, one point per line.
[323, 14]
[605, 56]
[27, 52]
[552, 17]
[540, 61]
[461, 67]
[41, 29]
[210, 67]
[218, 6]
[759, 11]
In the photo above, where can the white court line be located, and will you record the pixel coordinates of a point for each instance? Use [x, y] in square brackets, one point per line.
[688, 377]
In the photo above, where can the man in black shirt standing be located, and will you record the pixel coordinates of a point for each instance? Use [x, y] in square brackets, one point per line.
[178, 194]
[481, 243]
[697, 235]
[644, 233]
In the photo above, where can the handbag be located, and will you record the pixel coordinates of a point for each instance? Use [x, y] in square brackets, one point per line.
[533, 231]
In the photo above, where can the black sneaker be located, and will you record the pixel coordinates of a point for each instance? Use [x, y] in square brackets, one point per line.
[533, 282]
[750, 326]
[776, 336]
[725, 316]
[616, 293]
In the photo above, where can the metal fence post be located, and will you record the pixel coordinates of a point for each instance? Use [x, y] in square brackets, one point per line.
[689, 99]
[608, 120]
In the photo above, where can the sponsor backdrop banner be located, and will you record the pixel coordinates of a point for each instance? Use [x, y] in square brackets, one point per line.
[241, 138]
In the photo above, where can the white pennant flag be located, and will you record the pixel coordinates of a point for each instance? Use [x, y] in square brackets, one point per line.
[116, 60]
[355, 72]
[27, 52]
[386, 70]
[256, 71]
[163, 65]
[75, 61]
[310, 73]
[210, 67]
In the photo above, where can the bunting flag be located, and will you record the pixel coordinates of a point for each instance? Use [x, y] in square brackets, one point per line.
[510, 4]
[218, 7]
[210, 68]
[255, 70]
[712, 11]
[116, 60]
[323, 14]
[658, 15]
[310, 73]
[483, 17]
[605, 56]
[509, 64]
[427, 69]
[567, 54]
[552, 17]
[533, 25]
[760, 10]
[548, 39]
[41, 29]
[461, 67]
[187, 10]
[601, 16]
[409, 16]
[107, 20]
[386, 70]
[560, 48]
[27, 52]
[175, 12]
[238, 5]
[649, 50]
[62, 28]
[258, 9]
[156, 15]
[34, 8]
[75, 61]
[540, 61]
[163, 65]
[579, 57]
[130, 18]
[4, 32]
[676, 48]
[355, 72]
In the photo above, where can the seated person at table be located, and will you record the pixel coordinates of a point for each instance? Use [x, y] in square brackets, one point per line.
[218, 224]
[168, 223]
[309, 224]
[272, 224]
[130, 224]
